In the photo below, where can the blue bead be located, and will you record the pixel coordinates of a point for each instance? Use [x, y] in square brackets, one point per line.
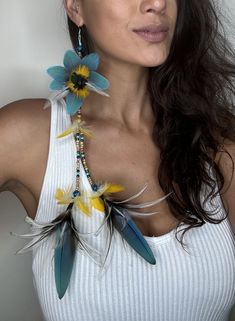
[76, 193]
[95, 187]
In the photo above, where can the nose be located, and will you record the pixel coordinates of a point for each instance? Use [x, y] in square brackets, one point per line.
[153, 6]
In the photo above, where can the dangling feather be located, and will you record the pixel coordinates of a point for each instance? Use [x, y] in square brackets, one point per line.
[138, 214]
[42, 231]
[120, 216]
[130, 232]
[132, 196]
[147, 204]
[64, 257]
[67, 239]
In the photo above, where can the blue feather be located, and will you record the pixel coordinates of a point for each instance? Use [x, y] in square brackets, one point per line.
[130, 232]
[64, 257]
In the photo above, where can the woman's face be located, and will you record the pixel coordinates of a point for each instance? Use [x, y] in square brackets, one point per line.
[125, 30]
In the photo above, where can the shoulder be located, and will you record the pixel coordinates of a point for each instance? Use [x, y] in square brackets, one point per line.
[21, 123]
[226, 162]
[21, 114]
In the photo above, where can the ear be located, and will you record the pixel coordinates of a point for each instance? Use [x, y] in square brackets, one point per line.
[73, 9]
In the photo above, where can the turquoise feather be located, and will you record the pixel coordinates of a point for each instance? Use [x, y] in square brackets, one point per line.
[91, 61]
[58, 73]
[98, 80]
[71, 60]
[130, 232]
[64, 257]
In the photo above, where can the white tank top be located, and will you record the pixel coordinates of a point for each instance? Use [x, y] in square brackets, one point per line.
[194, 286]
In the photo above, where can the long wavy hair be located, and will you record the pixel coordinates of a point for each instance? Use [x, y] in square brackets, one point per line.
[192, 95]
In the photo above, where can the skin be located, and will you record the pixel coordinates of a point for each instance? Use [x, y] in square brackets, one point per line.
[126, 116]
[124, 55]
[121, 150]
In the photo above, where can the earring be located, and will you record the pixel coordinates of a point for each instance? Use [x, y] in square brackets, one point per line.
[77, 78]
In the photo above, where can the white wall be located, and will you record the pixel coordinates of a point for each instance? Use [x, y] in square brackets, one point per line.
[33, 37]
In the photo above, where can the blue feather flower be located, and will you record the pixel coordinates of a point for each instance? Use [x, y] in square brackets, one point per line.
[77, 78]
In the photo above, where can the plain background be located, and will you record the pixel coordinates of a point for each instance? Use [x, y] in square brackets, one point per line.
[33, 37]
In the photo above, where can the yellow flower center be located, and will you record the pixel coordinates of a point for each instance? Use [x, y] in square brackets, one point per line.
[78, 80]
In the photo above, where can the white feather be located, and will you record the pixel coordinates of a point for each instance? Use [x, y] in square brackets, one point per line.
[95, 89]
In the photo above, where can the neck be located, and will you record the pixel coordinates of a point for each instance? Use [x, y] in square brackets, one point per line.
[128, 103]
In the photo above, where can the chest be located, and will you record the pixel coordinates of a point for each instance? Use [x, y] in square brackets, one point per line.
[131, 160]
[114, 156]
[178, 287]
[127, 159]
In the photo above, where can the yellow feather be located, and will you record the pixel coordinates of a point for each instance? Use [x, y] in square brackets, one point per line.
[98, 204]
[59, 193]
[63, 197]
[82, 93]
[112, 188]
[83, 71]
[65, 133]
[86, 132]
[64, 202]
[85, 209]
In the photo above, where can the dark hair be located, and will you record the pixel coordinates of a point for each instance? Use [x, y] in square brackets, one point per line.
[192, 96]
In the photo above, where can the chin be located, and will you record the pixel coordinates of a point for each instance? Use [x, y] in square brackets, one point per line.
[154, 62]
[154, 59]
[158, 59]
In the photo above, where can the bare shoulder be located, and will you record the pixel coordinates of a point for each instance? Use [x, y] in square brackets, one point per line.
[21, 114]
[226, 163]
[20, 125]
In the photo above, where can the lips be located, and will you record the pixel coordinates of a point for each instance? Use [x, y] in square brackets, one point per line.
[153, 33]
[153, 28]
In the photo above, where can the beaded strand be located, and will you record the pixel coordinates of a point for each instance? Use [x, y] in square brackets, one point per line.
[80, 159]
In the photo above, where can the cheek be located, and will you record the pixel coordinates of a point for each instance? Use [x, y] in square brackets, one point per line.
[173, 12]
[107, 22]
[109, 26]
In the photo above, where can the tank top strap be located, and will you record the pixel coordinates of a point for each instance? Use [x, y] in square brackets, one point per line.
[61, 164]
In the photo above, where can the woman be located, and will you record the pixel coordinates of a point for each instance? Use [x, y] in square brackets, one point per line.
[168, 122]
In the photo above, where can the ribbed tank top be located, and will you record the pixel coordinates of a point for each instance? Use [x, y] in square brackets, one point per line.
[197, 285]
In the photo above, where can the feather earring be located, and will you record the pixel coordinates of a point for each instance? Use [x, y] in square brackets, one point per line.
[73, 82]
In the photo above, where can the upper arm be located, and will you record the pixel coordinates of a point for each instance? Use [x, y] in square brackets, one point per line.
[17, 128]
[8, 145]
[226, 163]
